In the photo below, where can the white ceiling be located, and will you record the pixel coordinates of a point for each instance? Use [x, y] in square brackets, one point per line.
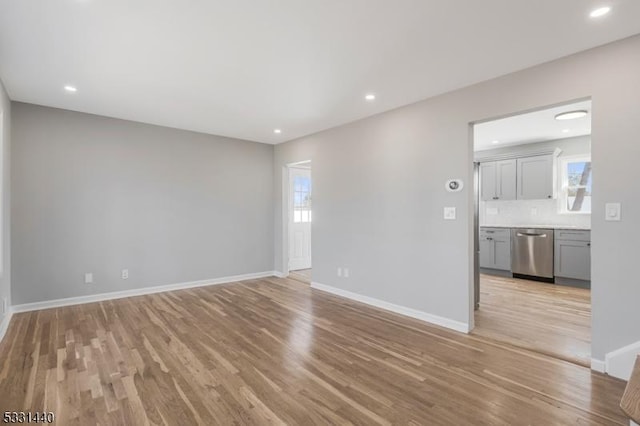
[241, 68]
[537, 126]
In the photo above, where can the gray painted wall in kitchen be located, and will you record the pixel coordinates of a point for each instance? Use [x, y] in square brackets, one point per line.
[95, 194]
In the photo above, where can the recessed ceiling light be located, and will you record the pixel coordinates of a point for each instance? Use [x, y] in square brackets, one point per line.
[370, 97]
[566, 130]
[495, 142]
[601, 11]
[571, 115]
[277, 131]
[70, 89]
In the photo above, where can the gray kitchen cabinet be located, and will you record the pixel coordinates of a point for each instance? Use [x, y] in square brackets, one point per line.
[498, 180]
[535, 177]
[506, 179]
[502, 248]
[487, 253]
[572, 254]
[495, 248]
[488, 177]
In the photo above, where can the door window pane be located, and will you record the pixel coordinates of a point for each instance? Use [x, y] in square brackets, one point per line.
[301, 199]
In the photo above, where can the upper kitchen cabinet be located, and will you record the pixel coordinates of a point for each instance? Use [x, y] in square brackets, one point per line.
[535, 177]
[488, 177]
[498, 180]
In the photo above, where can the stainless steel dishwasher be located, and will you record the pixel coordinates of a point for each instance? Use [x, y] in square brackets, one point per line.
[532, 252]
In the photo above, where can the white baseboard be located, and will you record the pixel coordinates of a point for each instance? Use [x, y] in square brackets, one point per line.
[280, 274]
[619, 363]
[47, 304]
[4, 324]
[598, 365]
[402, 310]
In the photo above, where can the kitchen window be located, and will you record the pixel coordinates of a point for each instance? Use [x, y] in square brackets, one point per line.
[575, 187]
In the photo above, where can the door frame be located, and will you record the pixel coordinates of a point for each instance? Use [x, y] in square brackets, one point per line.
[474, 202]
[286, 200]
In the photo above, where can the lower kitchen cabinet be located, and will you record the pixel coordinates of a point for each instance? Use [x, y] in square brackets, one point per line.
[495, 248]
[573, 255]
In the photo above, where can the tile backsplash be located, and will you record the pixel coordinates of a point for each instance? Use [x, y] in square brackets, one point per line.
[528, 212]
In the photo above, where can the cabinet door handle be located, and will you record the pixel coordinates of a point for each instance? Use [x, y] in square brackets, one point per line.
[549, 196]
[530, 234]
[588, 244]
[489, 239]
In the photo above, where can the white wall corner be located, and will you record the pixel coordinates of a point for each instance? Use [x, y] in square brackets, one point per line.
[4, 324]
[598, 365]
[280, 274]
[619, 363]
[402, 310]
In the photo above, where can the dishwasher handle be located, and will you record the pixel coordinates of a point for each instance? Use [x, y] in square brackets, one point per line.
[530, 234]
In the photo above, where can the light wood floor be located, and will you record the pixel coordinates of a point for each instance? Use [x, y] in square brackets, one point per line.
[276, 351]
[303, 275]
[547, 318]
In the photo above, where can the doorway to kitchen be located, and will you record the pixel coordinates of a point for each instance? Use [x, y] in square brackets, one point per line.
[300, 217]
[533, 193]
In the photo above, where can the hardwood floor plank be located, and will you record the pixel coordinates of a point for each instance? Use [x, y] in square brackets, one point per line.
[547, 318]
[274, 351]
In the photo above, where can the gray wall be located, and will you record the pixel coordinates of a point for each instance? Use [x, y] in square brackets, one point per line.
[519, 212]
[94, 194]
[379, 190]
[5, 201]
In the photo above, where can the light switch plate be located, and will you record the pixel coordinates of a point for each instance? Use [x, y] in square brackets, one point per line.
[612, 212]
[450, 213]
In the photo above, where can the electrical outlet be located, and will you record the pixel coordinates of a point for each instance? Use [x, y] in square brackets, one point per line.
[125, 274]
[450, 213]
[346, 272]
[339, 272]
[88, 278]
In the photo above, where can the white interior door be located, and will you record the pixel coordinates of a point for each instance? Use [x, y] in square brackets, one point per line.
[299, 218]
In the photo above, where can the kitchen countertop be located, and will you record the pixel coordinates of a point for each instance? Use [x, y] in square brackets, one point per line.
[529, 226]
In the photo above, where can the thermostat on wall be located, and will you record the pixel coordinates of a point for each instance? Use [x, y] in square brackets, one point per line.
[454, 185]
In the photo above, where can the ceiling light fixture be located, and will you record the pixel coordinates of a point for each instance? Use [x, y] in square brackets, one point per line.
[566, 130]
[277, 131]
[601, 11]
[571, 115]
[70, 89]
[370, 97]
[495, 142]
